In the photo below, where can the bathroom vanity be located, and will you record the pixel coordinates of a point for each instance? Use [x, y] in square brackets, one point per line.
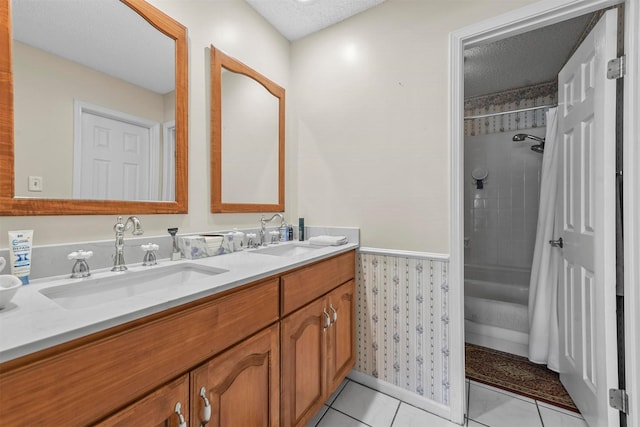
[265, 346]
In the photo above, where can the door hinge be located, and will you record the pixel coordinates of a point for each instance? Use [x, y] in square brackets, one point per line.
[619, 399]
[616, 68]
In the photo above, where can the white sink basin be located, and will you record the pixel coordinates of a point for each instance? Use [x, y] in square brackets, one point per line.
[286, 250]
[95, 291]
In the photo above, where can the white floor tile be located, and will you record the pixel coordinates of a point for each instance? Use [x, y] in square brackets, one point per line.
[334, 418]
[410, 416]
[471, 423]
[557, 408]
[501, 410]
[508, 393]
[369, 406]
[318, 416]
[551, 417]
[336, 392]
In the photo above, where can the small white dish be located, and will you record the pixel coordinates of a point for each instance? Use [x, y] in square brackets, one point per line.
[9, 285]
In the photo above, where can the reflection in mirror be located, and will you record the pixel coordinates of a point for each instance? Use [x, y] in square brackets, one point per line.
[247, 122]
[249, 153]
[98, 100]
[99, 117]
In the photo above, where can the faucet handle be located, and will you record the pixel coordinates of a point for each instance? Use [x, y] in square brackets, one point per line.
[150, 257]
[80, 269]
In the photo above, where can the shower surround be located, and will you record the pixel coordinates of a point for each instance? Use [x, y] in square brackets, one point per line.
[501, 218]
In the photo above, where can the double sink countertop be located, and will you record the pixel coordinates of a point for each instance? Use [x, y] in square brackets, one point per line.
[41, 315]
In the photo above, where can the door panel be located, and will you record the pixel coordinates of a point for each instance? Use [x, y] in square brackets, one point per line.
[242, 384]
[342, 333]
[586, 210]
[116, 159]
[303, 363]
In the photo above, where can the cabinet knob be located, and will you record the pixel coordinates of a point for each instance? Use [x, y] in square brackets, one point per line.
[205, 416]
[335, 313]
[327, 320]
[178, 411]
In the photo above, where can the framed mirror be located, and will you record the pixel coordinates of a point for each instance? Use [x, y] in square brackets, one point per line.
[94, 102]
[247, 138]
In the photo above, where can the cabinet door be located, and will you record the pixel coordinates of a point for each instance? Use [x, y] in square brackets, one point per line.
[242, 385]
[341, 346]
[157, 409]
[304, 337]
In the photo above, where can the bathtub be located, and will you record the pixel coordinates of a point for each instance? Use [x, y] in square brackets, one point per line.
[495, 308]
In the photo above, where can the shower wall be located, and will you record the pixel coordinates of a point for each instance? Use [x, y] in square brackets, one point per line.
[501, 218]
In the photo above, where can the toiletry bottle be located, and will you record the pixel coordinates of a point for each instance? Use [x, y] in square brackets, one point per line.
[290, 231]
[301, 229]
[284, 233]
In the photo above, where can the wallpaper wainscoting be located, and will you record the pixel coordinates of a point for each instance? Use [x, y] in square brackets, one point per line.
[402, 310]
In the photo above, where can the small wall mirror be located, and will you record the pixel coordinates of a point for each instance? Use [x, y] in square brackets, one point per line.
[247, 138]
[96, 108]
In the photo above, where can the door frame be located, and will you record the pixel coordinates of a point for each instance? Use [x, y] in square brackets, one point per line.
[168, 161]
[525, 19]
[81, 107]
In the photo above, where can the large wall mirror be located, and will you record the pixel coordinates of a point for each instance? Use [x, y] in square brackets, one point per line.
[94, 102]
[247, 138]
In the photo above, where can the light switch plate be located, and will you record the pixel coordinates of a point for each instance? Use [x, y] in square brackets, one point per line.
[35, 183]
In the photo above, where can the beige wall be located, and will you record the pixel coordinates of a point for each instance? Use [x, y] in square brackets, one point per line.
[367, 135]
[371, 108]
[231, 25]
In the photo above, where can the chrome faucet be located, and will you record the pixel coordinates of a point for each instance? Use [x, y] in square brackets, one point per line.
[263, 226]
[120, 228]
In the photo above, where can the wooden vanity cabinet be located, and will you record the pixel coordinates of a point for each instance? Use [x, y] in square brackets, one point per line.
[255, 370]
[87, 380]
[317, 340]
[241, 386]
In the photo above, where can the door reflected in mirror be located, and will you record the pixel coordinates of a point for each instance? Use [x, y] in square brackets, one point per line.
[247, 138]
[94, 113]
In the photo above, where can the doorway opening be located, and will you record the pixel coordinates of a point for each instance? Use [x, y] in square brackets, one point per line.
[496, 29]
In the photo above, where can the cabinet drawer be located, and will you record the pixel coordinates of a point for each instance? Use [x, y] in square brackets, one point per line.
[306, 284]
[346, 267]
[88, 382]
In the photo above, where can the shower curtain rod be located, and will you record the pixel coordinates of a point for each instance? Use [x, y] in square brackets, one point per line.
[480, 116]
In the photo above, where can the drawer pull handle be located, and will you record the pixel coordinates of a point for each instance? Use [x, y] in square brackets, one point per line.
[335, 313]
[327, 320]
[178, 411]
[206, 410]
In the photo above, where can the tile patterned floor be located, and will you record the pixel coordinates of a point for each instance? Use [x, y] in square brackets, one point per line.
[355, 405]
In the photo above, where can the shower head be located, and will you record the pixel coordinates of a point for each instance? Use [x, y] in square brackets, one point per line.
[523, 136]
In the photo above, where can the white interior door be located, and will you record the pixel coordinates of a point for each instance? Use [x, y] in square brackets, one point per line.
[586, 212]
[115, 160]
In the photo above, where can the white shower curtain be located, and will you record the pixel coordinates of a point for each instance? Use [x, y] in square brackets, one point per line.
[543, 287]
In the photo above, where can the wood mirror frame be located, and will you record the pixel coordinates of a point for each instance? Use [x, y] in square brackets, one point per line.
[221, 60]
[10, 205]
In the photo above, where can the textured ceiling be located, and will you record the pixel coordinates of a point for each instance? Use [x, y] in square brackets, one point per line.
[295, 19]
[104, 35]
[523, 60]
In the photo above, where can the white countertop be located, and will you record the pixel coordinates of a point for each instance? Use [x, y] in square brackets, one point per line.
[33, 322]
